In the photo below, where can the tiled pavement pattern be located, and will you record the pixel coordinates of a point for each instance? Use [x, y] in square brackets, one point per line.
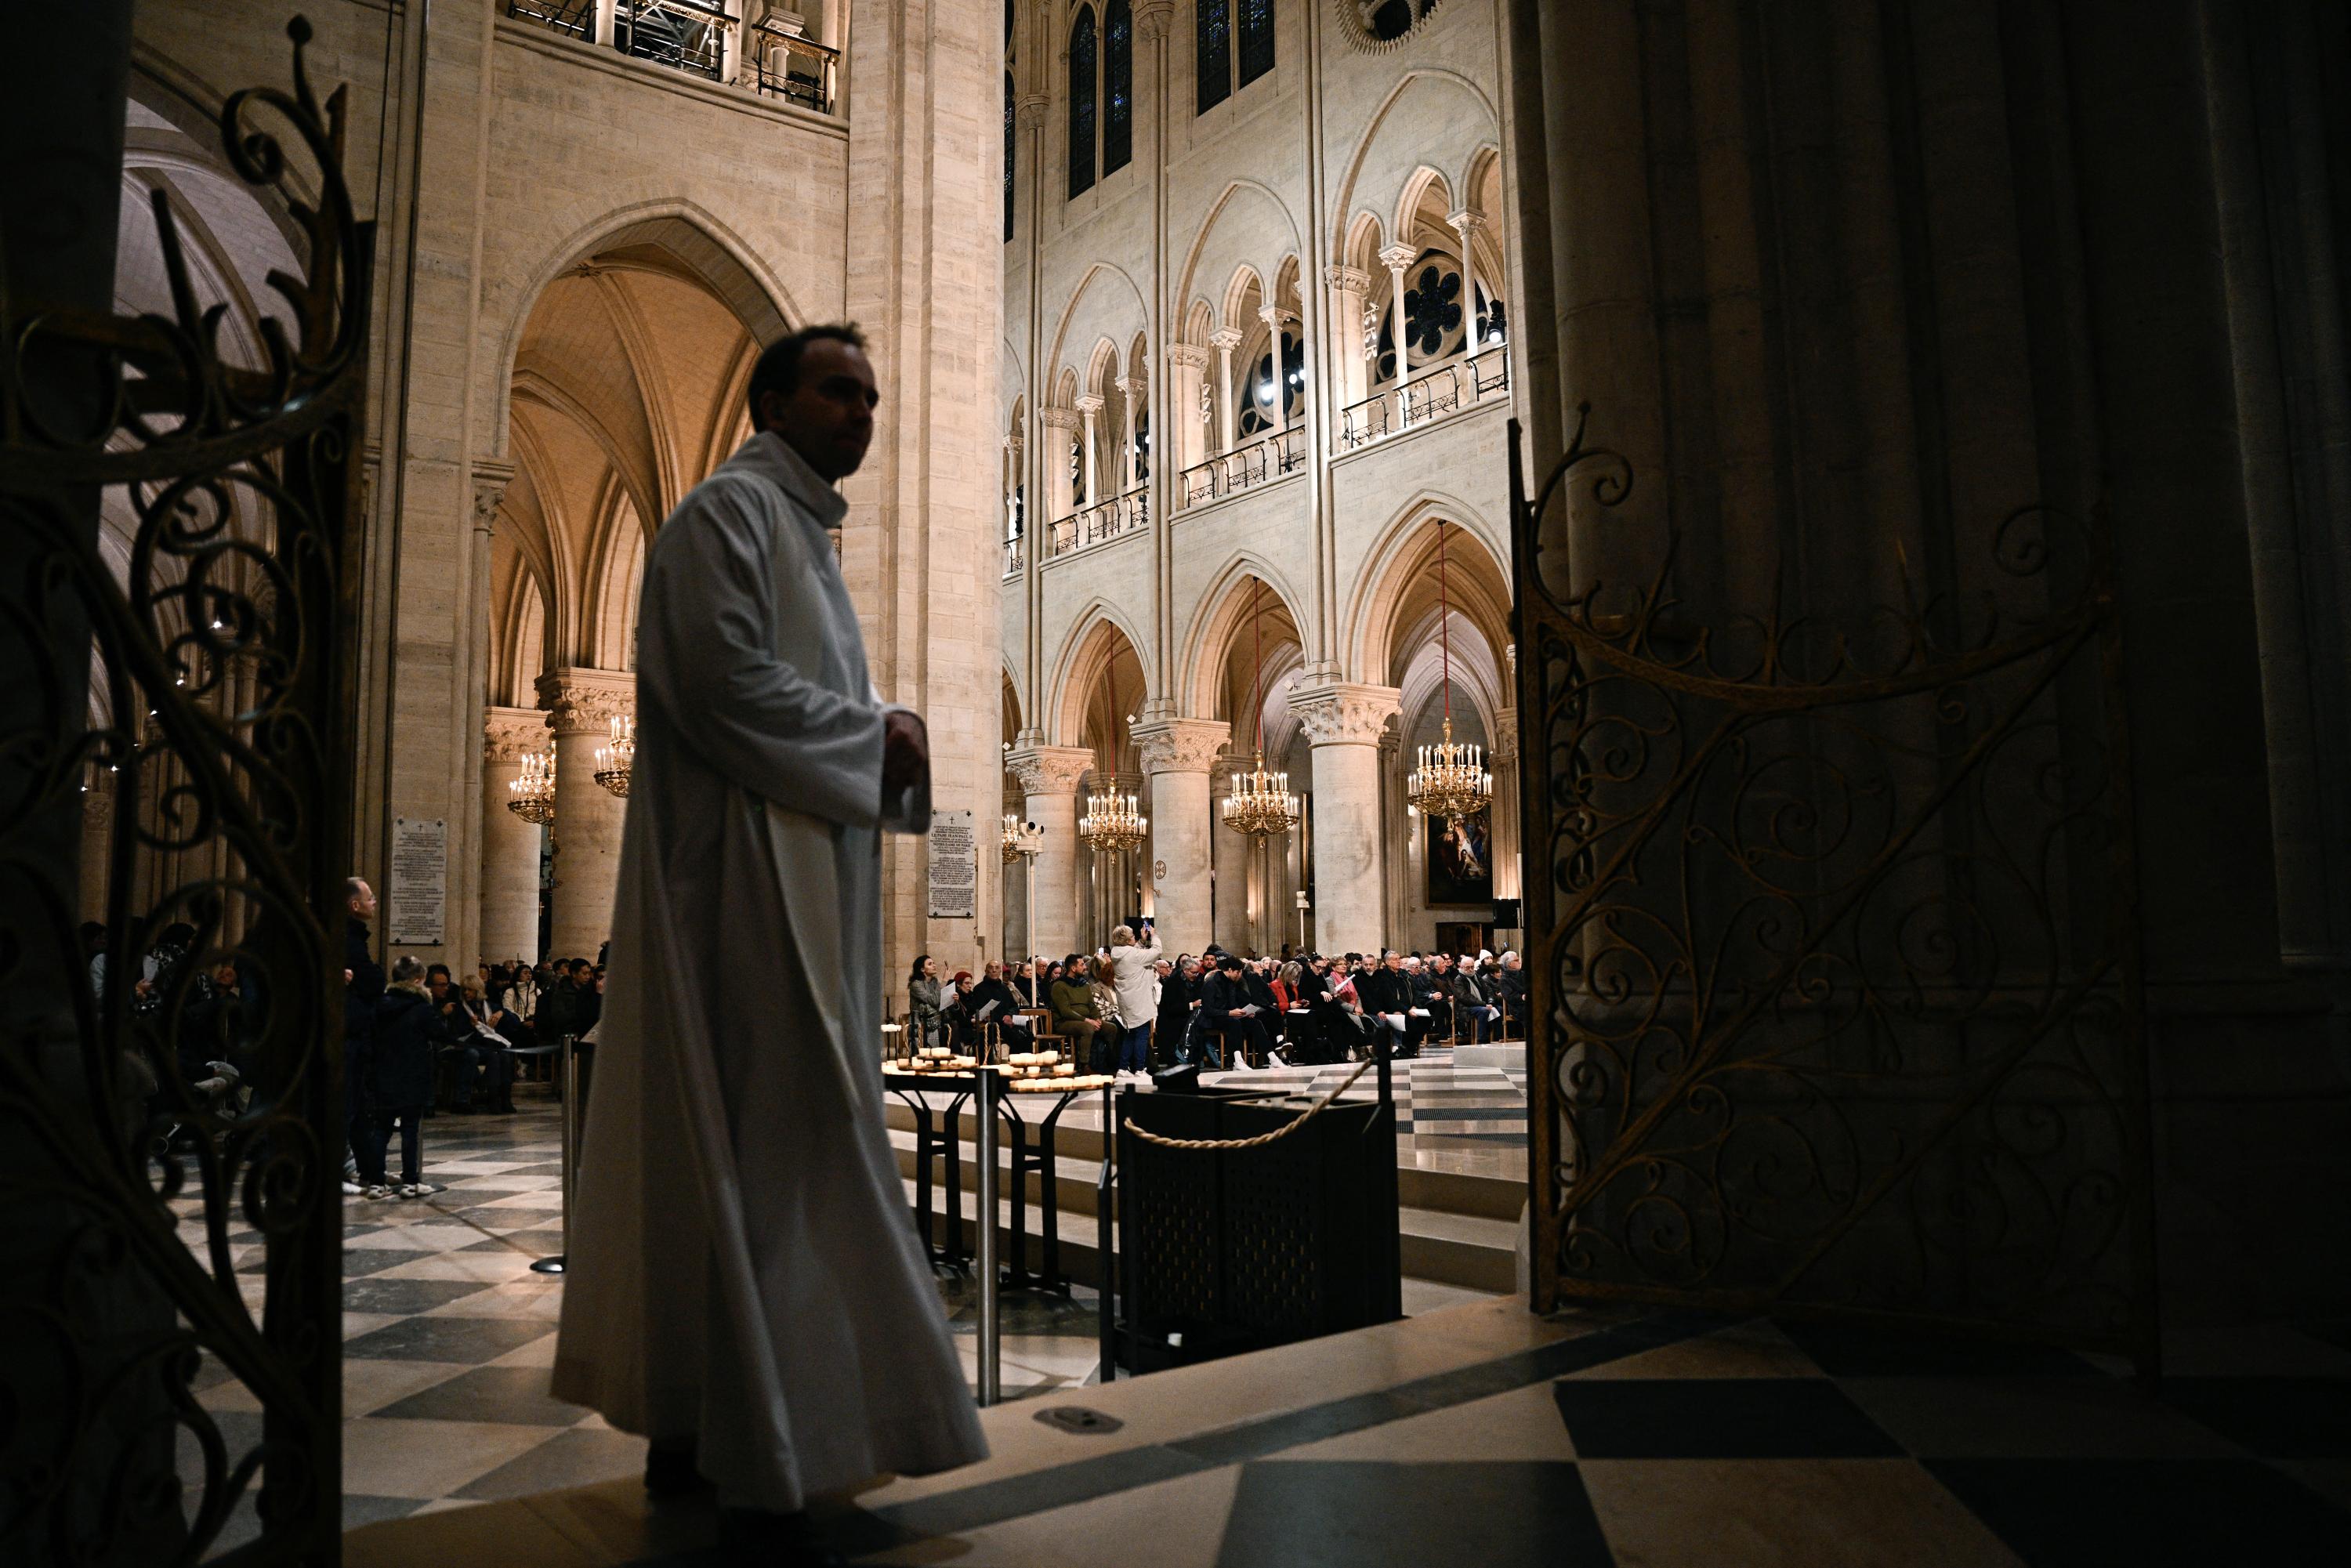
[1472, 1435]
[1482, 1436]
[448, 1335]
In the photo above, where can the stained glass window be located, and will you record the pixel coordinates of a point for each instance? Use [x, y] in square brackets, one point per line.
[1213, 54]
[1082, 102]
[1118, 85]
[1257, 39]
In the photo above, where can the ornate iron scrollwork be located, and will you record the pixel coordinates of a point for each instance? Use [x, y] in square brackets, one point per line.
[1836, 990]
[175, 1125]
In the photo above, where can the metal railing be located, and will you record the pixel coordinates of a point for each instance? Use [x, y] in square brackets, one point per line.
[1427, 398]
[572, 19]
[783, 65]
[1263, 460]
[1015, 557]
[687, 36]
[690, 36]
[1103, 521]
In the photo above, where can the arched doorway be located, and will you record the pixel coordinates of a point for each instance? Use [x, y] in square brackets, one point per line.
[626, 390]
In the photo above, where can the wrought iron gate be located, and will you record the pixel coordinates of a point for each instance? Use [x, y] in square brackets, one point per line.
[171, 1115]
[1830, 919]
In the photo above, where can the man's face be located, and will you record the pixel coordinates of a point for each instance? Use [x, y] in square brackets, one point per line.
[439, 985]
[363, 901]
[992, 969]
[1392, 962]
[828, 417]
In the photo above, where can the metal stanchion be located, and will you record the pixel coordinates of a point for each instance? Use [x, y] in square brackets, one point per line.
[1106, 1273]
[568, 1070]
[991, 1370]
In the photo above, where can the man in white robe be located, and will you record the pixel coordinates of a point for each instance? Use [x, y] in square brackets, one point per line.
[744, 1280]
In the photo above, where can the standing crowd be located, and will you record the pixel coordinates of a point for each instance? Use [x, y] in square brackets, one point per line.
[1129, 1008]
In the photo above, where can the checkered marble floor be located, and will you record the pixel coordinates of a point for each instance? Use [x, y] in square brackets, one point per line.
[448, 1335]
[1483, 1435]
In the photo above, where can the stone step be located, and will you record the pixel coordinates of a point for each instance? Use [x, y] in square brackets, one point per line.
[1450, 1192]
[1468, 1250]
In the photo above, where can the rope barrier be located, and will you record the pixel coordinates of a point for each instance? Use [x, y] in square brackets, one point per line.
[1164, 1141]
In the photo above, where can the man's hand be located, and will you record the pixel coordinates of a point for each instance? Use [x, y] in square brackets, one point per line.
[906, 754]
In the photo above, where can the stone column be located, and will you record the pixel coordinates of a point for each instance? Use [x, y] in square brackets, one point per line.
[1398, 830]
[510, 846]
[1395, 258]
[1503, 759]
[1275, 318]
[925, 260]
[97, 838]
[1090, 409]
[1342, 721]
[1225, 340]
[1131, 392]
[468, 847]
[1183, 429]
[1233, 853]
[1467, 225]
[1048, 785]
[580, 704]
[1177, 756]
[1350, 372]
[1060, 491]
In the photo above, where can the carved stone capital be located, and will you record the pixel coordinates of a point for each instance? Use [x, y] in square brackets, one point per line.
[490, 481]
[586, 702]
[1396, 257]
[1466, 222]
[1028, 111]
[1049, 769]
[510, 734]
[1188, 355]
[1053, 418]
[1088, 406]
[1504, 752]
[1180, 745]
[1129, 386]
[1347, 280]
[1343, 713]
[1225, 340]
[1154, 18]
[1277, 316]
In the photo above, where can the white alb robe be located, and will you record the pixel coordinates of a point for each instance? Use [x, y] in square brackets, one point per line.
[743, 1267]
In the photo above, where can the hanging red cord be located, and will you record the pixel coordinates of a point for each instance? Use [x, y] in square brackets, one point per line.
[1444, 627]
[1257, 687]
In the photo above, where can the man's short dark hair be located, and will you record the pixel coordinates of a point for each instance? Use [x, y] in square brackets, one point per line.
[1229, 962]
[778, 369]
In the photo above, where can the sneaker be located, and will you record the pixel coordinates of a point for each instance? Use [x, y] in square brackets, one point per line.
[351, 1188]
[416, 1189]
[378, 1194]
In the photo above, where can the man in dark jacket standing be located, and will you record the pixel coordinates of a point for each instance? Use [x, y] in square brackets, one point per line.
[362, 985]
[409, 1030]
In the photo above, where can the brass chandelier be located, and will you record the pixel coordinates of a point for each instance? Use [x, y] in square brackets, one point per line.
[1451, 782]
[1020, 838]
[1111, 821]
[1260, 804]
[617, 759]
[532, 796]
